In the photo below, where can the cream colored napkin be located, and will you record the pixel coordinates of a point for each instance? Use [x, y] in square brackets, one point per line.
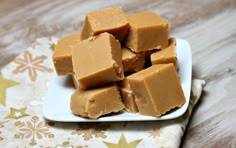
[22, 91]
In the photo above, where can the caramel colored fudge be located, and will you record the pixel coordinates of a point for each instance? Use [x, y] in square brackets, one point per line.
[132, 62]
[147, 31]
[167, 55]
[128, 97]
[157, 89]
[111, 20]
[62, 56]
[96, 102]
[97, 61]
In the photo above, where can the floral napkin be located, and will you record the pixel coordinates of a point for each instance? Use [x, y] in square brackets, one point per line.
[22, 91]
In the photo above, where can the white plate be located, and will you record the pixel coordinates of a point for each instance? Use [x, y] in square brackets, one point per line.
[56, 104]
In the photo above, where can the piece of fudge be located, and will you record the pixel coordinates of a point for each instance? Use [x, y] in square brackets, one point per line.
[167, 55]
[96, 102]
[132, 62]
[128, 97]
[157, 89]
[97, 61]
[147, 31]
[111, 20]
[62, 56]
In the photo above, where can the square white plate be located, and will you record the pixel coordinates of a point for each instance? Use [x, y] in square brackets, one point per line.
[56, 104]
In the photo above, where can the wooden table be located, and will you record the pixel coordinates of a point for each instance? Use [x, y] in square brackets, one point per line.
[209, 26]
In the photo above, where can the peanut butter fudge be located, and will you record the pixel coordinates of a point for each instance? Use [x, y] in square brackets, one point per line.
[132, 62]
[128, 97]
[112, 20]
[97, 61]
[62, 56]
[96, 102]
[157, 89]
[147, 31]
[167, 55]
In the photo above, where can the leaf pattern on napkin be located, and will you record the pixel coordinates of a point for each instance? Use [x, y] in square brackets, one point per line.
[90, 130]
[155, 133]
[32, 129]
[32, 65]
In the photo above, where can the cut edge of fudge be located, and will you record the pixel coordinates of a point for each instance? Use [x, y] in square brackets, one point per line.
[128, 97]
[100, 72]
[144, 105]
[167, 55]
[147, 31]
[96, 102]
[132, 62]
[93, 26]
[155, 97]
[62, 55]
[169, 68]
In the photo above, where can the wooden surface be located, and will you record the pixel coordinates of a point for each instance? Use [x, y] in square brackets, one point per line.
[209, 26]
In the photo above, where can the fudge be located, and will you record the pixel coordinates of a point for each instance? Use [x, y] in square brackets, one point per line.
[97, 61]
[111, 20]
[167, 55]
[96, 102]
[147, 31]
[128, 97]
[132, 62]
[157, 89]
[62, 56]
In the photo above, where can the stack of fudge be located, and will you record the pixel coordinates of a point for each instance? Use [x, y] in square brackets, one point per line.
[121, 61]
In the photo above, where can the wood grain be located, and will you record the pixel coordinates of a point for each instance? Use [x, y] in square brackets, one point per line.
[209, 26]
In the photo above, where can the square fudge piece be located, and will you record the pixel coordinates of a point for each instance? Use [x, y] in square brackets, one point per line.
[128, 97]
[132, 62]
[157, 89]
[96, 102]
[167, 55]
[111, 20]
[62, 56]
[97, 61]
[147, 31]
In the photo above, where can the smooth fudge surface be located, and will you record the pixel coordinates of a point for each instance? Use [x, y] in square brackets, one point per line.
[132, 62]
[157, 89]
[62, 56]
[96, 102]
[111, 20]
[97, 61]
[167, 55]
[128, 97]
[147, 31]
